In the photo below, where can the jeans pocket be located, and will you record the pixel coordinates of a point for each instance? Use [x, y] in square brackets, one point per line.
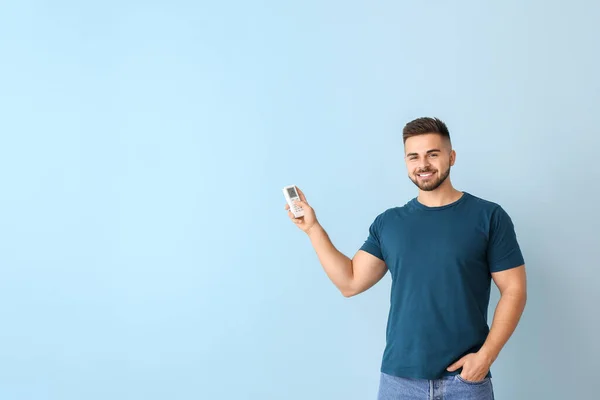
[463, 380]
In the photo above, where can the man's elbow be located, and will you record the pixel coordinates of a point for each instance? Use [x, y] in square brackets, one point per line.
[348, 291]
[517, 294]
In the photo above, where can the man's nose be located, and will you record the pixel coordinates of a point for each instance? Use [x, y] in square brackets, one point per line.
[424, 163]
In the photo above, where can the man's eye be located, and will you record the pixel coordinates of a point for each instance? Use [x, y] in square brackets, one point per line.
[433, 155]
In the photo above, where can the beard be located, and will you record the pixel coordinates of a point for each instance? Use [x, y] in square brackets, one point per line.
[431, 184]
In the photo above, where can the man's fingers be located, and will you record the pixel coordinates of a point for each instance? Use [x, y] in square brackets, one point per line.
[302, 197]
[456, 365]
[287, 206]
[293, 218]
[302, 204]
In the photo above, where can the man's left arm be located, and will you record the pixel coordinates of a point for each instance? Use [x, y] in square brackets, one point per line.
[512, 284]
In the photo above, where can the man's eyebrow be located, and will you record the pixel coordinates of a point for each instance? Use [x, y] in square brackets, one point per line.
[428, 151]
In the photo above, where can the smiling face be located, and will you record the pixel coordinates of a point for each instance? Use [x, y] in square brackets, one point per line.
[429, 158]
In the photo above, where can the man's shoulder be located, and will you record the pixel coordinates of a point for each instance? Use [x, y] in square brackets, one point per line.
[491, 211]
[483, 202]
[393, 212]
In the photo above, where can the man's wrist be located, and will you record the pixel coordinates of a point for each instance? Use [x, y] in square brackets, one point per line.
[488, 353]
[315, 229]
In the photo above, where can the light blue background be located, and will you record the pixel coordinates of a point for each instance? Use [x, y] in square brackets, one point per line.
[144, 249]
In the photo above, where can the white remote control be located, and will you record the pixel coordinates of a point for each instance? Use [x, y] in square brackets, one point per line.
[291, 195]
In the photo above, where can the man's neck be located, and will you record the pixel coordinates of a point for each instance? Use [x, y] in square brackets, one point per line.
[443, 195]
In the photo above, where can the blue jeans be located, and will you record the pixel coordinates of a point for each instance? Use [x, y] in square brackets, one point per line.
[445, 388]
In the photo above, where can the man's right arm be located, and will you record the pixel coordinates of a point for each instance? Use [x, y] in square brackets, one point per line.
[350, 276]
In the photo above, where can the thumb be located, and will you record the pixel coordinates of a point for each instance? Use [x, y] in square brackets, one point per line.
[456, 365]
[301, 193]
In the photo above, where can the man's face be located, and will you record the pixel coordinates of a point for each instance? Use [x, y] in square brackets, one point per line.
[428, 160]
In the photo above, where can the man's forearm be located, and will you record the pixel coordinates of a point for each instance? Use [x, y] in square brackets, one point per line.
[337, 266]
[506, 317]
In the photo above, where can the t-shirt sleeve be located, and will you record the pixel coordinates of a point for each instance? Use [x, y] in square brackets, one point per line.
[504, 251]
[373, 243]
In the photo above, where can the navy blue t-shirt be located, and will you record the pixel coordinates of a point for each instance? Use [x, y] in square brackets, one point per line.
[440, 260]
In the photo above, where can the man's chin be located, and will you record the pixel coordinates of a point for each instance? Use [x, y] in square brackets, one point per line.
[428, 188]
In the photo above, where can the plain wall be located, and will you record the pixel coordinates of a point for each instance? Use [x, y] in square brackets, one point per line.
[145, 252]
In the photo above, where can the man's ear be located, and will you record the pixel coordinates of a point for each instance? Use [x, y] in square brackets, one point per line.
[452, 157]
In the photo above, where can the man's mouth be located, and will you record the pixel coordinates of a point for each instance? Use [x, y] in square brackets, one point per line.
[425, 174]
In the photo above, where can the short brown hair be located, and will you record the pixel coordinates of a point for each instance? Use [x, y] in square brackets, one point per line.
[421, 126]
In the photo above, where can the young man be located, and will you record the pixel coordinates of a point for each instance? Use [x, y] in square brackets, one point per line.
[442, 249]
